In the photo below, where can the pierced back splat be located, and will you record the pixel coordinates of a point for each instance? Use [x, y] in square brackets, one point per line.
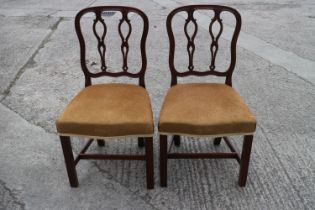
[214, 46]
[101, 39]
[124, 40]
[101, 47]
[191, 39]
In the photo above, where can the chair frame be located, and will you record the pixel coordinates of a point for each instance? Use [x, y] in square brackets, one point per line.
[146, 142]
[244, 157]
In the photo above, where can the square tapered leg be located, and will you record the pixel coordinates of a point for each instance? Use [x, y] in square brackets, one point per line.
[69, 160]
[100, 142]
[247, 146]
[163, 160]
[141, 142]
[176, 139]
[217, 141]
[149, 162]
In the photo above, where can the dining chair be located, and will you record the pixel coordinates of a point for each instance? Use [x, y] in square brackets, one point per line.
[107, 110]
[204, 109]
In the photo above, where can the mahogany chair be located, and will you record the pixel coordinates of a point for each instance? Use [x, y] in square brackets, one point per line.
[204, 109]
[109, 110]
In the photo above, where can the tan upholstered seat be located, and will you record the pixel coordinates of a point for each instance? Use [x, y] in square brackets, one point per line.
[108, 110]
[205, 109]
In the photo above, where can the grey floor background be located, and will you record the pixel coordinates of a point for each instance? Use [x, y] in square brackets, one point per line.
[40, 73]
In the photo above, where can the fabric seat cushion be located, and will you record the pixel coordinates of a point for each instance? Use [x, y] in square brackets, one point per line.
[108, 110]
[205, 109]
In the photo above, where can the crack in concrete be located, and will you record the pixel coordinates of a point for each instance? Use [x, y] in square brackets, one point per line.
[283, 167]
[92, 2]
[30, 62]
[109, 176]
[34, 124]
[12, 195]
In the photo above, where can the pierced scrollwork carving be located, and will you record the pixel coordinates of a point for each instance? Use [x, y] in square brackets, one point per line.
[218, 11]
[214, 44]
[100, 38]
[124, 39]
[191, 38]
[100, 31]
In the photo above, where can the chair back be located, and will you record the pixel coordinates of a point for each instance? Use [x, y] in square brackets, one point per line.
[213, 45]
[101, 44]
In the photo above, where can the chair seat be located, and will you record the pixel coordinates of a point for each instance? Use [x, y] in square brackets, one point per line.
[108, 110]
[205, 110]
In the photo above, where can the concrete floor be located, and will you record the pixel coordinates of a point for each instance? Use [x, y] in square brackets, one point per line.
[40, 73]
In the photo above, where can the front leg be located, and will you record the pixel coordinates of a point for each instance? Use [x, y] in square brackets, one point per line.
[244, 164]
[69, 160]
